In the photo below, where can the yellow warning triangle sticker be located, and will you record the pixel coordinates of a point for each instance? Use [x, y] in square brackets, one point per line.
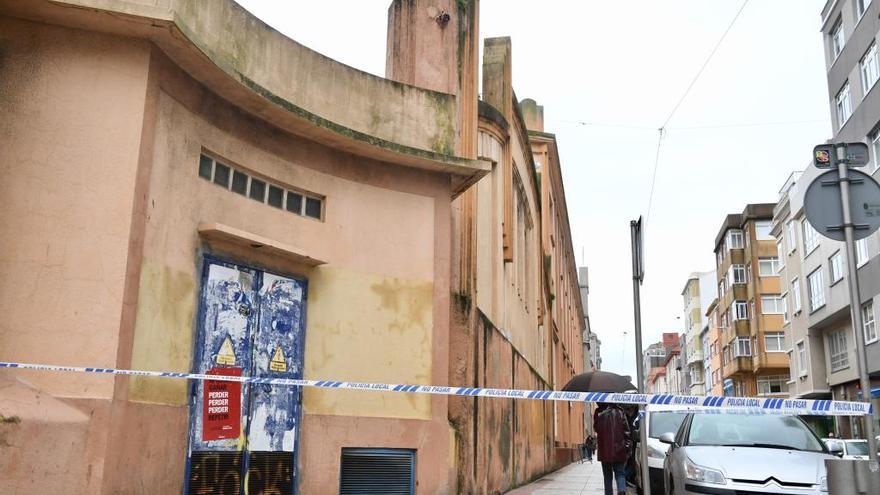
[278, 363]
[226, 356]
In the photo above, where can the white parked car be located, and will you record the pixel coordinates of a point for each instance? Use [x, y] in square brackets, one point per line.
[660, 420]
[744, 454]
[852, 449]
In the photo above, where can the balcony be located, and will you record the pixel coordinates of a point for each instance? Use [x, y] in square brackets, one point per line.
[769, 361]
[737, 366]
[695, 357]
[740, 328]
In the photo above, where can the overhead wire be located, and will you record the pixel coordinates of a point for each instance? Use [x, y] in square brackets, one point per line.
[662, 129]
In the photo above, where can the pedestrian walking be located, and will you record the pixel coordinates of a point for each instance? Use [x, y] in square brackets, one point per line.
[615, 442]
[590, 445]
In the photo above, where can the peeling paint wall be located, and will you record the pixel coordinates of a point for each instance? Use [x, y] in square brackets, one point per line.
[350, 312]
[377, 311]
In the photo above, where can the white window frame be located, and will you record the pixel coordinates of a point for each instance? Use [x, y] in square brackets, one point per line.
[875, 147]
[835, 267]
[791, 234]
[742, 347]
[869, 70]
[738, 269]
[735, 239]
[769, 380]
[740, 310]
[796, 301]
[778, 338]
[843, 105]
[862, 252]
[838, 354]
[762, 230]
[780, 254]
[768, 267]
[869, 325]
[811, 237]
[837, 39]
[771, 305]
[816, 289]
[802, 358]
[786, 315]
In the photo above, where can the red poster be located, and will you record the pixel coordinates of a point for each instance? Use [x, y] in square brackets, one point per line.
[221, 410]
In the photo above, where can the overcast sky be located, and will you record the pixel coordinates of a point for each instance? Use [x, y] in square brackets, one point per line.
[621, 67]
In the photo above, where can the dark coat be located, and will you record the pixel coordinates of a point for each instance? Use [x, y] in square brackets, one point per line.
[614, 434]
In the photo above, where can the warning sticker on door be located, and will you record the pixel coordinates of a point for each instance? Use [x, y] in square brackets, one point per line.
[278, 363]
[226, 356]
[221, 409]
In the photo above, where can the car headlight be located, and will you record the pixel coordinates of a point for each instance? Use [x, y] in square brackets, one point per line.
[823, 484]
[702, 474]
[656, 453]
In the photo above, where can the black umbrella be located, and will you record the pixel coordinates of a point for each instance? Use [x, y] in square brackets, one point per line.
[599, 381]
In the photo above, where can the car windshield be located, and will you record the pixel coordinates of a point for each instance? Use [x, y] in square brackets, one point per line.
[665, 422]
[857, 448]
[752, 431]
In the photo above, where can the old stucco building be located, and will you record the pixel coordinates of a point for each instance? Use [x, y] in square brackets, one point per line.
[186, 189]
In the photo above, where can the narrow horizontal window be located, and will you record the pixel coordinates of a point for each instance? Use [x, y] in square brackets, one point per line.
[206, 167]
[276, 196]
[294, 202]
[221, 175]
[258, 190]
[240, 182]
[313, 207]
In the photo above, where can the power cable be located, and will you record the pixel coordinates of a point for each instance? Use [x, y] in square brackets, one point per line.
[662, 129]
[690, 127]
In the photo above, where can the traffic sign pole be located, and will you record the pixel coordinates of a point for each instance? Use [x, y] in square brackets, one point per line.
[638, 268]
[855, 305]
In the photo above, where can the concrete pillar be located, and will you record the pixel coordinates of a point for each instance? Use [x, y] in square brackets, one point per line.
[534, 117]
[432, 44]
[422, 47]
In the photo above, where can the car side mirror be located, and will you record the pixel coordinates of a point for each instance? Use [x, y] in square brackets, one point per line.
[836, 449]
[668, 438]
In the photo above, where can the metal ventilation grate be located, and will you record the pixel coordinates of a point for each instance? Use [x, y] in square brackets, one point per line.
[377, 471]
[215, 472]
[270, 473]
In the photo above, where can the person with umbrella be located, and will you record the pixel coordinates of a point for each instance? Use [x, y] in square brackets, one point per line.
[610, 424]
[615, 444]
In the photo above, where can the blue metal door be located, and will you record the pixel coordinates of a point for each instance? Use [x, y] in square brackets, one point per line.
[250, 323]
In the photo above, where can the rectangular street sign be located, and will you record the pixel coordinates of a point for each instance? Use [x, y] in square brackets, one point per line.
[824, 156]
[856, 154]
[827, 155]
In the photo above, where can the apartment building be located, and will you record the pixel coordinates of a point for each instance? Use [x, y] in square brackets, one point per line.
[712, 356]
[699, 291]
[753, 357]
[850, 29]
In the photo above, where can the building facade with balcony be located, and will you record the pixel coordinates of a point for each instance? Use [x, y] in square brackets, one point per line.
[850, 29]
[749, 308]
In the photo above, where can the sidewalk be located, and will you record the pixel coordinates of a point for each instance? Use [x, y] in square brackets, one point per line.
[574, 479]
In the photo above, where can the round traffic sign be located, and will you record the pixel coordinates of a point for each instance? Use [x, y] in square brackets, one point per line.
[824, 210]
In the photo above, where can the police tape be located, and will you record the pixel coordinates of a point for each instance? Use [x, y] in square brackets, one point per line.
[710, 403]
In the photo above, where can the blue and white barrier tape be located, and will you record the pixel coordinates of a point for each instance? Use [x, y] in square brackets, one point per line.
[747, 405]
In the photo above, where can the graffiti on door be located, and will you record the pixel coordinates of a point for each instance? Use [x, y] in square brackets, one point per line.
[250, 322]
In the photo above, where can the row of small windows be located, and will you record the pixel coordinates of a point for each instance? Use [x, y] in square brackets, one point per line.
[259, 190]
